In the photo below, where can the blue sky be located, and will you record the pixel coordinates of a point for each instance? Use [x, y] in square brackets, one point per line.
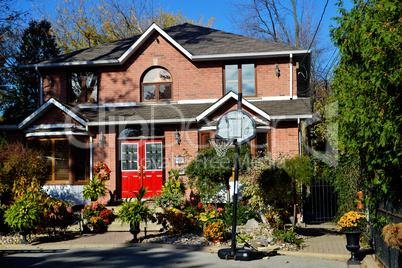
[219, 9]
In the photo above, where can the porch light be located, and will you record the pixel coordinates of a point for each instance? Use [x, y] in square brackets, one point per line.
[178, 138]
[277, 71]
[102, 140]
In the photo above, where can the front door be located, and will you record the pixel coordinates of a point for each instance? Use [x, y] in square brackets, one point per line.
[141, 165]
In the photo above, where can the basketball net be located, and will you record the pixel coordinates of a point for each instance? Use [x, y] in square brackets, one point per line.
[221, 146]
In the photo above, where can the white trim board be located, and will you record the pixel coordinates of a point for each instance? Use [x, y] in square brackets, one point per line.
[47, 106]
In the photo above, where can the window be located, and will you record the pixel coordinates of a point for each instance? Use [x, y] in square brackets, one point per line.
[240, 78]
[156, 85]
[83, 87]
[67, 163]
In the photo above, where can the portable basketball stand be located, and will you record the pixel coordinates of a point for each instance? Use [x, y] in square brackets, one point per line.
[240, 126]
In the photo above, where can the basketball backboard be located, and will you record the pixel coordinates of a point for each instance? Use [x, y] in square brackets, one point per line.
[236, 124]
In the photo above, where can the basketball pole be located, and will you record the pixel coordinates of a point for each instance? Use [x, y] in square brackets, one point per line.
[236, 188]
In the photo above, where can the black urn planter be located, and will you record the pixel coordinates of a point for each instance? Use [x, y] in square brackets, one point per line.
[24, 234]
[135, 230]
[353, 245]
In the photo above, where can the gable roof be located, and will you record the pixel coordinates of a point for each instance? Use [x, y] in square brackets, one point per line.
[45, 107]
[226, 98]
[196, 42]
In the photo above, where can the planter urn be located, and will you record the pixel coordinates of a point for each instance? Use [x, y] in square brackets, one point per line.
[135, 230]
[353, 245]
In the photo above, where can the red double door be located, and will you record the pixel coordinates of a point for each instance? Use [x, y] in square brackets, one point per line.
[141, 165]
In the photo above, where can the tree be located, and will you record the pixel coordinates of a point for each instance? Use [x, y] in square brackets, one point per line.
[289, 22]
[367, 86]
[211, 170]
[21, 93]
[86, 23]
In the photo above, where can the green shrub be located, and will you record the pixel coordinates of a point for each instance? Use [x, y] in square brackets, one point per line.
[169, 200]
[25, 213]
[287, 236]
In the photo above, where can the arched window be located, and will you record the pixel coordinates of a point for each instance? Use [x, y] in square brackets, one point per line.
[156, 85]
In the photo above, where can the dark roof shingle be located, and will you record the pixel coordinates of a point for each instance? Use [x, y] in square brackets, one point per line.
[197, 40]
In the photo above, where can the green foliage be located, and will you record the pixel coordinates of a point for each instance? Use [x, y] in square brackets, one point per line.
[95, 188]
[243, 213]
[25, 213]
[287, 236]
[169, 200]
[243, 237]
[135, 211]
[180, 222]
[212, 171]
[348, 181]
[17, 163]
[367, 86]
[174, 185]
[172, 192]
[37, 44]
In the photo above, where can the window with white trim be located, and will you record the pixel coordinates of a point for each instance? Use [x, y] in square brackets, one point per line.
[156, 85]
[240, 78]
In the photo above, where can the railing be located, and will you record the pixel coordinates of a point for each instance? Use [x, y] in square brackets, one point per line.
[388, 256]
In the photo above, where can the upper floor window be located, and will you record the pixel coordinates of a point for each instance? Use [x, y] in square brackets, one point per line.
[83, 87]
[240, 78]
[156, 85]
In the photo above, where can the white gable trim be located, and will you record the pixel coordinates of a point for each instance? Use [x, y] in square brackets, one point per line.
[145, 36]
[224, 99]
[45, 107]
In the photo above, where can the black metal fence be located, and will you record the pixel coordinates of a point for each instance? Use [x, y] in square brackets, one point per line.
[321, 203]
[388, 256]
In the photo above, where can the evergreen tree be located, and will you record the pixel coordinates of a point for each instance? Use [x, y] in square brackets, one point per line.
[21, 93]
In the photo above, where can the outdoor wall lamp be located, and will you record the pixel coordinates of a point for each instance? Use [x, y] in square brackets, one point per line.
[178, 137]
[102, 140]
[277, 71]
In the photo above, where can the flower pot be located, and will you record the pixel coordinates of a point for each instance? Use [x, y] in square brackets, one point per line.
[135, 230]
[24, 234]
[353, 245]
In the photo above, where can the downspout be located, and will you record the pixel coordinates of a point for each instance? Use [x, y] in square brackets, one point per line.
[291, 74]
[301, 184]
[40, 86]
[90, 152]
[300, 140]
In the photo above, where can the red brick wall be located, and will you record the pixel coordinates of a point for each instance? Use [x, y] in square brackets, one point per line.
[284, 139]
[191, 80]
[55, 116]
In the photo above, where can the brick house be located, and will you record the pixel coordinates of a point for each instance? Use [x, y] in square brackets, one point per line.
[142, 105]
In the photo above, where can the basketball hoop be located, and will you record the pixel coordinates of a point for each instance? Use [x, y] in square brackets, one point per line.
[221, 146]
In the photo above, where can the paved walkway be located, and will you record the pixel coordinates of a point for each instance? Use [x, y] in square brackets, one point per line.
[321, 241]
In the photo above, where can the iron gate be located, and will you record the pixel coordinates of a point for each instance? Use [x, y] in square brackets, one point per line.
[321, 203]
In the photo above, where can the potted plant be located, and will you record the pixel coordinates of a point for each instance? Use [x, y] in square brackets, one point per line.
[352, 224]
[134, 212]
[96, 187]
[24, 214]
